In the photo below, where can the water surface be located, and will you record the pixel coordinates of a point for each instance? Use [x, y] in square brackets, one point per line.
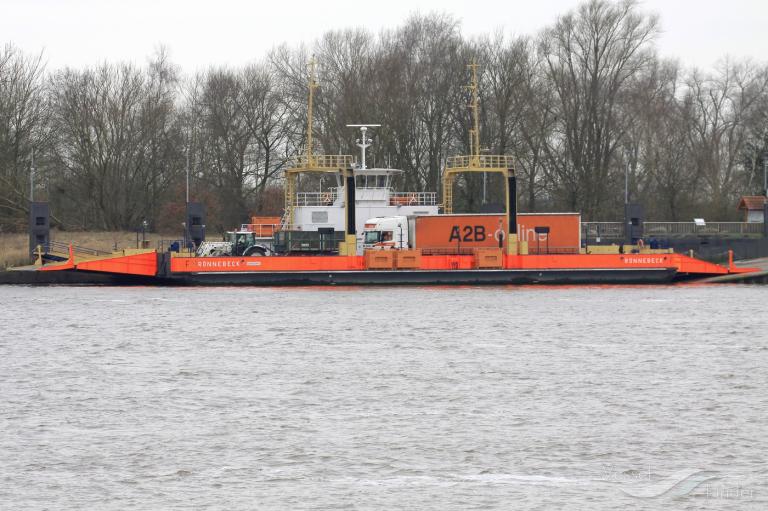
[384, 398]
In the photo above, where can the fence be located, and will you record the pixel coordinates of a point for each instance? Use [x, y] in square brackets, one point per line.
[675, 229]
[615, 230]
[603, 230]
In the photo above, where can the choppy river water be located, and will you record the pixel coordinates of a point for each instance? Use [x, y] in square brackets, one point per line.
[407, 398]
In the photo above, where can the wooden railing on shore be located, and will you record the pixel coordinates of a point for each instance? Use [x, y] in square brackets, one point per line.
[615, 230]
[709, 228]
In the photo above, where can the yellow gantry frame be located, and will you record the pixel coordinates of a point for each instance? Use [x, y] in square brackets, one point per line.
[475, 162]
[310, 162]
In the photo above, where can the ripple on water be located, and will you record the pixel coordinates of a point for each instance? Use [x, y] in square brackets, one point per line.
[407, 398]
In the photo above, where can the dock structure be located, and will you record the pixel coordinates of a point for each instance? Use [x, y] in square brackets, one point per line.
[757, 277]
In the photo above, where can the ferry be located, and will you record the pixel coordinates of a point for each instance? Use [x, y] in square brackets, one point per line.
[358, 231]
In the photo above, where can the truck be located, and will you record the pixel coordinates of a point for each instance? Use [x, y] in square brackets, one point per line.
[552, 233]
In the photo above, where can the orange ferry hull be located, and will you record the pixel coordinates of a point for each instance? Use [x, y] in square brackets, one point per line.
[439, 269]
[382, 268]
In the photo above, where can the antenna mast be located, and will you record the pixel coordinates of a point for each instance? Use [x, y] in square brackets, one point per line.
[312, 86]
[363, 142]
[474, 133]
[32, 178]
[187, 171]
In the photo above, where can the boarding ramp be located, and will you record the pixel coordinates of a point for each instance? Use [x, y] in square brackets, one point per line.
[56, 251]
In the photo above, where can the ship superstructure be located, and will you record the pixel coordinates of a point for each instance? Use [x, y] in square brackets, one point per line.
[375, 196]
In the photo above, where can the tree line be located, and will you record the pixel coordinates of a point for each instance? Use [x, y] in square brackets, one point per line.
[587, 107]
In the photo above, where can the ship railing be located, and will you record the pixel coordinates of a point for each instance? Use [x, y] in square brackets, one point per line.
[326, 198]
[702, 229]
[322, 161]
[58, 247]
[261, 230]
[541, 248]
[444, 251]
[483, 161]
[413, 199]
[603, 230]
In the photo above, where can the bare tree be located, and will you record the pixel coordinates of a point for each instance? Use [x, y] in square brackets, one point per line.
[265, 116]
[580, 107]
[117, 141]
[24, 128]
[591, 54]
[518, 108]
[654, 152]
[717, 106]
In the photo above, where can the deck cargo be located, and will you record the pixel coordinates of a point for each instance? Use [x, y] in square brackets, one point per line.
[545, 233]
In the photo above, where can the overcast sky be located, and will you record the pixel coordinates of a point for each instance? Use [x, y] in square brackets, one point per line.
[204, 32]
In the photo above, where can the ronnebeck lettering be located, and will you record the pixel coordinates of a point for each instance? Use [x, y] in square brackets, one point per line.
[218, 264]
[643, 260]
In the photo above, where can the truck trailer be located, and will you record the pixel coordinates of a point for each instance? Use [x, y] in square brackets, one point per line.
[553, 233]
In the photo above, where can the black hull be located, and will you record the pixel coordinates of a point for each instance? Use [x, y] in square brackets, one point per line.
[350, 278]
[426, 277]
[74, 278]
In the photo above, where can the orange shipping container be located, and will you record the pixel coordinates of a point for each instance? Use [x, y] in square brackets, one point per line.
[457, 232]
[564, 232]
[264, 226]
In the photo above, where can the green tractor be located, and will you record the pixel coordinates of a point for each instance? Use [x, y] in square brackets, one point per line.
[245, 243]
[236, 243]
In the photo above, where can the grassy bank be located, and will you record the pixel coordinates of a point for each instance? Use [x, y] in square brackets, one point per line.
[14, 247]
[13, 250]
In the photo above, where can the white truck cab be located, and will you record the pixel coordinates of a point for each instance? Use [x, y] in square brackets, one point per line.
[386, 233]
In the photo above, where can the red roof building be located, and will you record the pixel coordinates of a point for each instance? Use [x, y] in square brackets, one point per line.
[753, 206]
